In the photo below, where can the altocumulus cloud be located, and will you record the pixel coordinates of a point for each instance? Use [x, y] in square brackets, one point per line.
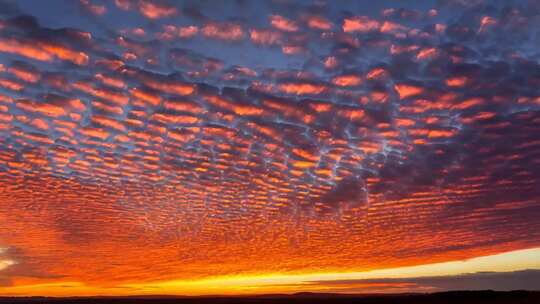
[266, 136]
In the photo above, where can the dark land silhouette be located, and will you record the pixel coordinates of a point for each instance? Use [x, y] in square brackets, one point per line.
[461, 297]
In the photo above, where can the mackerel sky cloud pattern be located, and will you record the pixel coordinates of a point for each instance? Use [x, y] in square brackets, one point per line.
[145, 140]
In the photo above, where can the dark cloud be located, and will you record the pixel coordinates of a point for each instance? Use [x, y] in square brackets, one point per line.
[502, 281]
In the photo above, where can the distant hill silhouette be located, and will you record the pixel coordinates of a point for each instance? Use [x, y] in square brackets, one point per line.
[460, 297]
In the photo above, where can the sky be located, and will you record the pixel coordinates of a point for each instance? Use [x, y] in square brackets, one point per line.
[247, 147]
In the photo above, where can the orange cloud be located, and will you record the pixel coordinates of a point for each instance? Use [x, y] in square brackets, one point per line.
[153, 10]
[11, 85]
[406, 91]
[170, 87]
[486, 22]
[427, 53]
[94, 132]
[347, 80]
[457, 81]
[183, 106]
[109, 123]
[118, 98]
[292, 49]
[65, 53]
[223, 31]
[265, 37]
[24, 49]
[43, 108]
[283, 24]
[360, 24]
[94, 8]
[468, 103]
[390, 27]
[188, 31]
[25, 75]
[302, 88]
[150, 98]
[111, 81]
[319, 23]
[376, 73]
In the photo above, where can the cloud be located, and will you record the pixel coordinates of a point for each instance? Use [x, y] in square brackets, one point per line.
[266, 136]
[154, 9]
[5, 262]
[501, 281]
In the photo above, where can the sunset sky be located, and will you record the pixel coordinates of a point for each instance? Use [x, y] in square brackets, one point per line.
[247, 147]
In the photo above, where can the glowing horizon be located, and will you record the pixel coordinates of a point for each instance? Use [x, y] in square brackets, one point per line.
[514, 261]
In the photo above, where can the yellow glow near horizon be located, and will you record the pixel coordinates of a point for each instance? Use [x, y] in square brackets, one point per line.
[509, 261]
[286, 283]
